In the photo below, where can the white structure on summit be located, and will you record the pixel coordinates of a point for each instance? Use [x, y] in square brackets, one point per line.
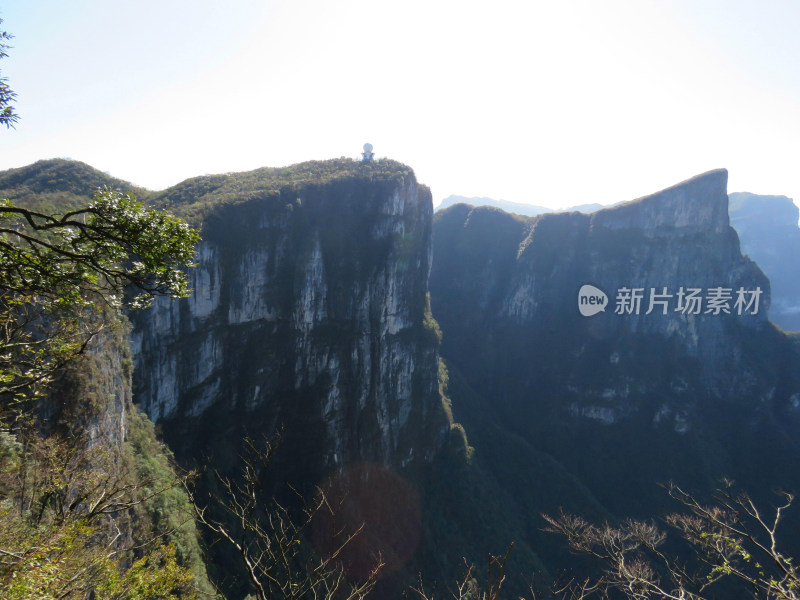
[368, 154]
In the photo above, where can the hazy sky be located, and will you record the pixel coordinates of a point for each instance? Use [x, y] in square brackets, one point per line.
[552, 103]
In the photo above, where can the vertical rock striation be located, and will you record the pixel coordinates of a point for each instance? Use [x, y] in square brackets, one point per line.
[91, 396]
[308, 314]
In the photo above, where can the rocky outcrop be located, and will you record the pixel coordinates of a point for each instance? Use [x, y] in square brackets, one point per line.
[91, 397]
[308, 313]
[699, 204]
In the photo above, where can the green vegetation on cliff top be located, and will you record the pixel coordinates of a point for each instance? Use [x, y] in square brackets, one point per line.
[60, 184]
[231, 186]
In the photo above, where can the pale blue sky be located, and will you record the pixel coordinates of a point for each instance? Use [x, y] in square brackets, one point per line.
[552, 103]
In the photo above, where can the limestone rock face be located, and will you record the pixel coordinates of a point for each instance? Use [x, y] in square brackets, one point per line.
[658, 248]
[308, 314]
[699, 204]
[656, 388]
[92, 393]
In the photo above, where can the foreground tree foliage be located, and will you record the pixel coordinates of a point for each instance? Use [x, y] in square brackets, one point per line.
[58, 272]
[75, 501]
[732, 548]
[66, 508]
[72, 505]
[8, 116]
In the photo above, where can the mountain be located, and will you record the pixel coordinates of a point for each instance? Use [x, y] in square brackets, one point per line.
[767, 227]
[309, 319]
[622, 400]
[518, 208]
[439, 368]
[309, 309]
[311, 286]
[59, 184]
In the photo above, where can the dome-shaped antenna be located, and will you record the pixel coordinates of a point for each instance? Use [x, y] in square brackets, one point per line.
[368, 153]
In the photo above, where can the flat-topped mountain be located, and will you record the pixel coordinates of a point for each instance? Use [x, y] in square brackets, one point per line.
[309, 309]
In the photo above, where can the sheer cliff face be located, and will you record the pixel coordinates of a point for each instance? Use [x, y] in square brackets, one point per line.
[307, 314]
[647, 255]
[92, 394]
[507, 288]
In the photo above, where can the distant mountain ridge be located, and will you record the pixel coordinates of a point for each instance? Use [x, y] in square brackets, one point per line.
[517, 208]
[768, 230]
